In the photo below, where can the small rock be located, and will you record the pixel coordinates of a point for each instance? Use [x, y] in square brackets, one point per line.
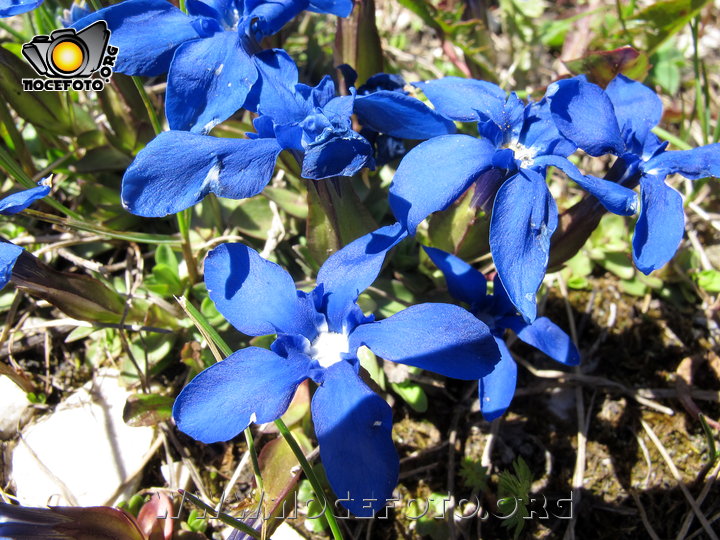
[15, 407]
[82, 452]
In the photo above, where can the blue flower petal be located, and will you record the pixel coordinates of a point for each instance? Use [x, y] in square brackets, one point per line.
[540, 133]
[256, 296]
[693, 164]
[272, 16]
[343, 154]
[616, 198]
[178, 168]
[148, 32]
[466, 100]
[8, 8]
[8, 255]
[497, 389]
[17, 202]
[524, 218]
[354, 428]
[638, 108]
[274, 92]
[661, 224]
[418, 190]
[584, 114]
[250, 385]
[401, 116]
[222, 10]
[442, 338]
[463, 281]
[341, 8]
[351, 270]
[208, 81]
[547, 337]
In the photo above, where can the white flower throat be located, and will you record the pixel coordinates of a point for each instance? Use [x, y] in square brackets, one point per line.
[523, 153]
[329, 347]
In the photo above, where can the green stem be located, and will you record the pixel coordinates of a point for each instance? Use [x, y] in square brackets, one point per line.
[10, 30]
[152, 114]
[673, 139]
[311, 476]
[228, 520]
[183, 221]
[140, 238]
[701, 104]
[254, 457]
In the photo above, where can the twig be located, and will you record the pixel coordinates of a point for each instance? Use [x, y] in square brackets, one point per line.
[592, 380]
[643, 516]
[709, 481]
[676, 474]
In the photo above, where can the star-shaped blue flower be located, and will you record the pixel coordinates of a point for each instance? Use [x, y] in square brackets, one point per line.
[507, 166]
[497, 388]
[12, 204]
[318, 335]
[618, 121]
[178, 169]
[206, 52]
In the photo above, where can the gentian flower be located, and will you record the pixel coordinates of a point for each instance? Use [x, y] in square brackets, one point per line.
[178, 169]
[389, 115]
[206, 52]
[318, 335]
[12, 204]
[8, 8]
[507, 167]
[618, 121]
[497, 388]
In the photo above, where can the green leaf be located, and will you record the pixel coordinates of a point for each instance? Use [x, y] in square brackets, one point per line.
[474, 475]
[166, 256]
[619, 264]
[514, 493]
[667, 17]
[45, 110]
[708, 280]
[603, 66]
[147, 409]
[412, 394]
[291, 202]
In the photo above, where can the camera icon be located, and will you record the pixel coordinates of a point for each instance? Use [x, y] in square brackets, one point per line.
[67, 53]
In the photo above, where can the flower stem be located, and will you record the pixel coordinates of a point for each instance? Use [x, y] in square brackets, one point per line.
[70, 223]
[152, 114]
[228, 520]
[311, 476]
[183, 220]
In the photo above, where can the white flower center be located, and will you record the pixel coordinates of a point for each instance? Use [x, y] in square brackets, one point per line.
[328, 348]
[523, 153]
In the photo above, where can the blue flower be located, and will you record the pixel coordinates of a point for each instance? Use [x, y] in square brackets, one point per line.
[496, 389]
[619, 121]
[206, 52]
[318, 335]
[178, 168]
[12, 204]
[8, 8]
[507, 167]
[389, 115]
